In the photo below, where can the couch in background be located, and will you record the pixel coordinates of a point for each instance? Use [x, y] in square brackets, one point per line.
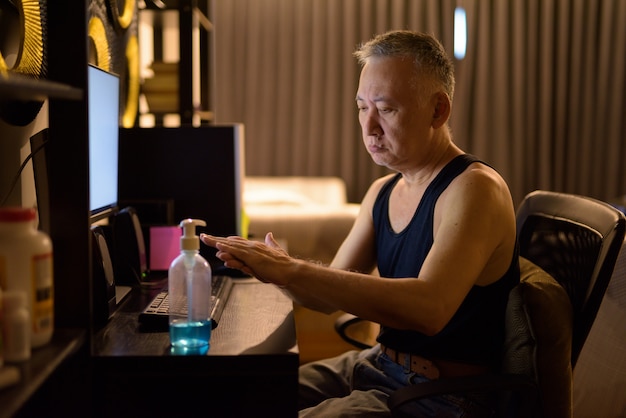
[311, 215]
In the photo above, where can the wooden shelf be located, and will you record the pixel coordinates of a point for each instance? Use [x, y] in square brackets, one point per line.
[34, 372]
[47, 374]
[193, 16]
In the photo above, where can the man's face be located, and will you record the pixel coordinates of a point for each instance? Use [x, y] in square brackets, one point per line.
[395, 128]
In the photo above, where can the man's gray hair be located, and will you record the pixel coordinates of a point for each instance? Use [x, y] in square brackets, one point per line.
[427, 53]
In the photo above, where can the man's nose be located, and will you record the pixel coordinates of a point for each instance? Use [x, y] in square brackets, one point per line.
[371, 126]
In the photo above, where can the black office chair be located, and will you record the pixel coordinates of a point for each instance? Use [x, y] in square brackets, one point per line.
[576, 239]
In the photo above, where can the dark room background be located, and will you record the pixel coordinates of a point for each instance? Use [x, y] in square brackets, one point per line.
[540, 93]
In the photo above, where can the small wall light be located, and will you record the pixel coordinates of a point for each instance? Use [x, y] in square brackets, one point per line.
[460, 33]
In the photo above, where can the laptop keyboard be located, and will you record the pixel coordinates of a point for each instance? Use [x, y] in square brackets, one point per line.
[155, 316]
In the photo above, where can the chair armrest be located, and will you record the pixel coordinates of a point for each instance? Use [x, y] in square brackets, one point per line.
[342, 325]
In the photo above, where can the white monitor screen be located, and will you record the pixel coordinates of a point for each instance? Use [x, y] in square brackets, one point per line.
[104, 105]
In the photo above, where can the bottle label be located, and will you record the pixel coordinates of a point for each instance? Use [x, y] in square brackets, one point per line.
[42, 295]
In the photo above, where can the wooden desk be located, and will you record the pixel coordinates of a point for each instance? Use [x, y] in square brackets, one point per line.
[250, 369]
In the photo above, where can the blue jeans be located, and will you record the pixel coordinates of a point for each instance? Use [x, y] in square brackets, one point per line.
[358, 383]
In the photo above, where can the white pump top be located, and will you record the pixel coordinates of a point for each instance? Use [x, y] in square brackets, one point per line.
[189, 240]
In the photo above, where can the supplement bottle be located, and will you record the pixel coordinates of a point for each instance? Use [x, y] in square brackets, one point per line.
[26, 266]
[16, 327]
[189, 289]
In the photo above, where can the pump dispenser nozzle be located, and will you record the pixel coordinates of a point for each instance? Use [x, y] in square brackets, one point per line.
[189, 240]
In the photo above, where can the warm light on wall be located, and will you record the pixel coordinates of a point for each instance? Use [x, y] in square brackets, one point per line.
[460, 33]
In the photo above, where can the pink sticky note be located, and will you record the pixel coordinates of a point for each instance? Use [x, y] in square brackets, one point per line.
[164, 246]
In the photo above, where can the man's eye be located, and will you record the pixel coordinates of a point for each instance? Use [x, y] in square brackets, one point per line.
[384, 110]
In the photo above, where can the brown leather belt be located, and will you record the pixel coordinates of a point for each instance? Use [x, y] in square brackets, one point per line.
[433, 369]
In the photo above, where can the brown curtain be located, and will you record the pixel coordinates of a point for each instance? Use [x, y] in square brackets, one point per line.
[540, 94]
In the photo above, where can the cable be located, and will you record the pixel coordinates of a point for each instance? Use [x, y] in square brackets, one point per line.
[19, 172]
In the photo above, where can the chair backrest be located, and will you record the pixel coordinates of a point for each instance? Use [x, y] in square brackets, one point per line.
[576, 240]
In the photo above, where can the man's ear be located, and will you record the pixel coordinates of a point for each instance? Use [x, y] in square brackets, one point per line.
[442, 109]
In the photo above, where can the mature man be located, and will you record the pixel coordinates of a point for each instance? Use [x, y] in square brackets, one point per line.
[440, 231]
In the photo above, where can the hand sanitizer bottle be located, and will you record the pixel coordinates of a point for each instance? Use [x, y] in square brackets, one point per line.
[189, 288]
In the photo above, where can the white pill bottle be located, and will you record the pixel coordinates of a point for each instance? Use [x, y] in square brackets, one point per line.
[26, 266]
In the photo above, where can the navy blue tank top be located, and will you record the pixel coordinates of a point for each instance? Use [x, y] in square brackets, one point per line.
[476, 332]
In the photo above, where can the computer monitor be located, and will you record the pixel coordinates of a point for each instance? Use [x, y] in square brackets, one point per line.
[104, 126]
[103, 116]
[170, 174]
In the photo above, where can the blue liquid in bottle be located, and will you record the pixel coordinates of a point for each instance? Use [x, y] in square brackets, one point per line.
[191, 334]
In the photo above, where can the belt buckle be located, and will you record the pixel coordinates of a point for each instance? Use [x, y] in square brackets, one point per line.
[424, 367]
